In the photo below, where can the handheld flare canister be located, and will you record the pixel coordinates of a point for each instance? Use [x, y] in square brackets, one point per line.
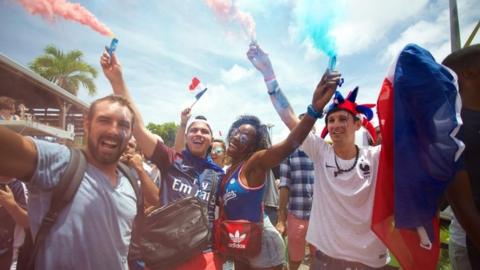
[113, 46]
[332, 62]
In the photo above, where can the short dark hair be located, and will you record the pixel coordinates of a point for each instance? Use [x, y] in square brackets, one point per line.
[112, 99]
[466, 58]
[221, 142]
[355, 118]
[202, 118]
[7, 103]
[261, 140]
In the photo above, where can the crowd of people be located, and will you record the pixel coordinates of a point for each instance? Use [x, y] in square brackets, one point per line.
[323, 199]
[10, 111]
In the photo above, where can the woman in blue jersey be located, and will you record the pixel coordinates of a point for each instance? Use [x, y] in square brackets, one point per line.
[244, 184]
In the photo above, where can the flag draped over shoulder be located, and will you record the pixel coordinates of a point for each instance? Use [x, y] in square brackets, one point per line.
[419, 114]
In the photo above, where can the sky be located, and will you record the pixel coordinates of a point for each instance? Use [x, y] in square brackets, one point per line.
[163, 44]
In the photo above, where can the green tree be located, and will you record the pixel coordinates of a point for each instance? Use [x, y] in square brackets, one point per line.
[166, 130]
[66, 70]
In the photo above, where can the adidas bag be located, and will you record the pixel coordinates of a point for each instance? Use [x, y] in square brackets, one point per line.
[238, 238]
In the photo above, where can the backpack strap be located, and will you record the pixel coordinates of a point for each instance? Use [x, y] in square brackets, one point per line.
[214, 192]
[134, 182]
[62, 195]
[137, 228]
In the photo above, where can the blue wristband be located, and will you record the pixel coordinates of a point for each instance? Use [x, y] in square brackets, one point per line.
[314, 114]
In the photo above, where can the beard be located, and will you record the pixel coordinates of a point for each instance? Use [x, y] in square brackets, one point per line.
[106, 158]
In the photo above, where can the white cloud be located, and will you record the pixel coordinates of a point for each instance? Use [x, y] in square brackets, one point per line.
[162, 46]
[434, 35]
[366, 22]
[311, 53]
[361, 24]
[235, 74]
[431, 35]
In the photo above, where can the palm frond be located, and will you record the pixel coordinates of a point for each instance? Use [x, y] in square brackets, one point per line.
[67, 70]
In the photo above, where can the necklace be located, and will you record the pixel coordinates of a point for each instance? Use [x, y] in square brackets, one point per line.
[339, 170]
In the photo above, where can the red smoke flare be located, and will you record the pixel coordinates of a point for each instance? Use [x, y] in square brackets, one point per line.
[51, 9]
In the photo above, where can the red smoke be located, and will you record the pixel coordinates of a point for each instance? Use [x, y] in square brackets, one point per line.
[226, 9]
[50, 9]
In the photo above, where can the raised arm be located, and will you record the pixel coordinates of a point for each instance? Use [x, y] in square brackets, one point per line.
[113, 71]
[18, 158]
[180, 136]
[261, 62]
[266, 159]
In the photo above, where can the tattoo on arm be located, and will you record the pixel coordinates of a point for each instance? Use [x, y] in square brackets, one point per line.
[272, 86]
[280, 102]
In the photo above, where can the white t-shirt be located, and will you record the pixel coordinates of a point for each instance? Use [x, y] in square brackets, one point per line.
[342, 205]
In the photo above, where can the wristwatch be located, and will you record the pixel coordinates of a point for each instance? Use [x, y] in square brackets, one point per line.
[314, 114]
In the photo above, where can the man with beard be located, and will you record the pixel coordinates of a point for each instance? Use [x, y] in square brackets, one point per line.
[94, 230]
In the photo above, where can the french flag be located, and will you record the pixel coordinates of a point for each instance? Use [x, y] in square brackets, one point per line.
[197, 87]
[419, 114]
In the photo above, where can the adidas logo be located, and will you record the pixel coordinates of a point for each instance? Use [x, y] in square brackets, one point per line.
[236, 240]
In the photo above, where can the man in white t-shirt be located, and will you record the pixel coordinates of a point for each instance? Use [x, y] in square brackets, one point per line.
[342, 202]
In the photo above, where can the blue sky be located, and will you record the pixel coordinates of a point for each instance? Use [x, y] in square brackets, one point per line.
[163, 44]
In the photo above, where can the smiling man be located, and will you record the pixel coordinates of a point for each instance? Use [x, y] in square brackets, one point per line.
[190, 172]
[94, 231]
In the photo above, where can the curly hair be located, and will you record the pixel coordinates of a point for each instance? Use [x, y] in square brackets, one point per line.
[262, 137]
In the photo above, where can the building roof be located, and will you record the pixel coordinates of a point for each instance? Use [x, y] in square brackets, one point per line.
[26, 86]
[42, 97]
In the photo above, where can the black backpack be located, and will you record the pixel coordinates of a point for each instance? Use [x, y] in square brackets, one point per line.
[62, 195]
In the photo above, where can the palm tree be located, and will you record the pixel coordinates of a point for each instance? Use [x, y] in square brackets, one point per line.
[66, 70]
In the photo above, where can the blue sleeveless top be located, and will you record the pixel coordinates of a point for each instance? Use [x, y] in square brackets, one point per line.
[240, 201]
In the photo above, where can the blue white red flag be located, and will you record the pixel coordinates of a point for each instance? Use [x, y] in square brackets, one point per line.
[419, 114]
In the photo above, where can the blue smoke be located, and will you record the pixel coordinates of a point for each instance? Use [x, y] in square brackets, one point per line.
[315, 18]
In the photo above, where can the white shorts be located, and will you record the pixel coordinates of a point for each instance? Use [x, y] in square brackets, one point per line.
[273, 248]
